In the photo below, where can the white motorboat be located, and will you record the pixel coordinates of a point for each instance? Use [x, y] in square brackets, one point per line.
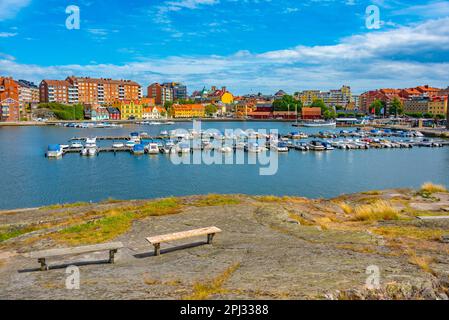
[54, 151]
[117, 145]
[91, 152]
[83, 152]
[152, 148]
[76, 145]
[130, 144]
[279, 146]
[256, 148]
[316, 146]
[319, 123]
[91, 142]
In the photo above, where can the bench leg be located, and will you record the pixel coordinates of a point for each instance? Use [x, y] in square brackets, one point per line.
[111, 255]
[44, 266]
[210, 237]
[157, 249]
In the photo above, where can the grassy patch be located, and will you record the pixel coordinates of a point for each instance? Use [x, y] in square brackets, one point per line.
[213, 200]
[429, 187]
[9, 233]
[114, 222]
[409, 232]
[421, 261]
[65, 205]
[345, 207]
[203, 290]
[372, 193]
[379, 210]
[301, 220]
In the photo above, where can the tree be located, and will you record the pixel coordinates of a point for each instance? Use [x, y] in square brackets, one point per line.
[287, 103]
[327, 112]
[168, 105]
[396, 107]
[378, 106]
[210, 109]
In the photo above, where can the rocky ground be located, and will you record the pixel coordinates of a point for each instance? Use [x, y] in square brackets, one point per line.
[270, 248]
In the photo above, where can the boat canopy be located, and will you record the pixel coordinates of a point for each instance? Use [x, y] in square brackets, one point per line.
[139, 147]
[54, 147]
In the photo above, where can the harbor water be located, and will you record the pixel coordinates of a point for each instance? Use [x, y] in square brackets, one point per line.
[28, 179]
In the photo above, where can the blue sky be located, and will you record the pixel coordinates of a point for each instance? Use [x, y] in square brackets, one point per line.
[247, 45]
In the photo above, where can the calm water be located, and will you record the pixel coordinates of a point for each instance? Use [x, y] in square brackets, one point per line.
[28, 179]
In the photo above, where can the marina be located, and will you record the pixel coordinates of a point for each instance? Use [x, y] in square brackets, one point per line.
[114, 171]
[139, 143]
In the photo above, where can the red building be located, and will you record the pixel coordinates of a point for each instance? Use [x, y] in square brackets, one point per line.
[114, 113]
[311, 113]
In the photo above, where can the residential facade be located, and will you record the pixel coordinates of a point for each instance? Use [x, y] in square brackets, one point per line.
[308, 113]
[28, 92]
[332, 98]
[154, 113]
[188, 111]
[9, 100]
[85, 90]
[129, 109]
[436, 105]
[160, 93]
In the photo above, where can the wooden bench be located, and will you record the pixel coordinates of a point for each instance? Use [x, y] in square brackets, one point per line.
[44, 254]
[157, 240]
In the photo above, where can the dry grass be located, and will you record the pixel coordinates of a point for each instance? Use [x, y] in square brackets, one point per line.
[270, 199]
[379, 210]
[421, 261]
[412, 232]
[203, 290]
[302, 221]
[345, 207]
[213, 200]
[430, 188]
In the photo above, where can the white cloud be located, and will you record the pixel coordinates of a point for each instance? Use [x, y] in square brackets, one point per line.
[366, 61]
[7, 34]
[432, 9]
[9, 8]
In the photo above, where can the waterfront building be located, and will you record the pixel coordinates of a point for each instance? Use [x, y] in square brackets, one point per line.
[279, 95]
[28, 93]
[387, 96]
[129, 109]
[9, 100]
[114, 113]
[286, 115]
[154, 113]
[54, 91]
[214, 96]
[85, 90]
[178, 90]
[308, 113]
[99, 114]
[332, 98]
[188, 110]
[436, 105]
[160, 93]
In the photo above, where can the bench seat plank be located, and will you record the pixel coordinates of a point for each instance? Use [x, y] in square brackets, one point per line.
[75, 250]
[182, 235]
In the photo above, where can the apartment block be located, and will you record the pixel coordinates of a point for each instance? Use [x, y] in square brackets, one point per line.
[9, 100]
[89, 91]
[332, 98]
[179, 91]
[54, 91]
[160, 93]
[28, 92]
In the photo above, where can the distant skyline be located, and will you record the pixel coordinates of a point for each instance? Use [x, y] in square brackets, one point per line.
[250, 46]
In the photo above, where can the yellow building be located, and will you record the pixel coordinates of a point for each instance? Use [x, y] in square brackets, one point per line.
[438, 105]
[188, 111]
[129, 109]
[308, 96]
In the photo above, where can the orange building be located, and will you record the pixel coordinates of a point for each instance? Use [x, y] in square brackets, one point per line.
[85, 90]
[9, 100]
[54, 91]
[311, 113]
[188, 111]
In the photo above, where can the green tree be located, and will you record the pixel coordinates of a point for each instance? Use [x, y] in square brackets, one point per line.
[396, 107]
[378, 105]
[210, 109]
[326, 112]
[287, 103]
